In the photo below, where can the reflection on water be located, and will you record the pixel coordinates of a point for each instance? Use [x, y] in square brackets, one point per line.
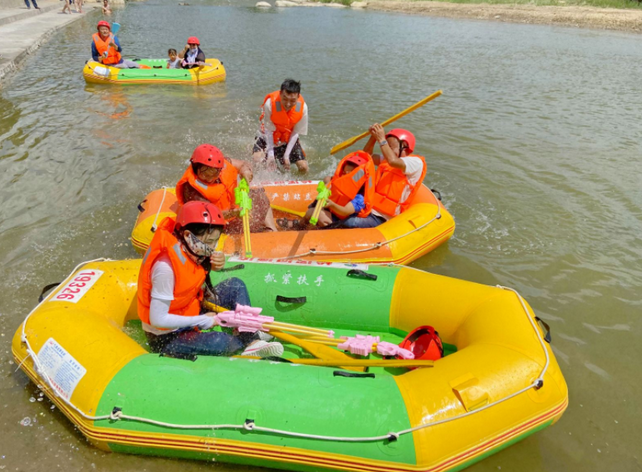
[534, 146]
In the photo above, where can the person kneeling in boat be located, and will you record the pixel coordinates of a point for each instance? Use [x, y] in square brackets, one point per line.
[400, 173]
[350, 202]
[212, 177]
[105, 48]
[192, 56]
[170, 293]
[284, 119]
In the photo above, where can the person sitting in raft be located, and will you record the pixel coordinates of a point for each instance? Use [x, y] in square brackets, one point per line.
[400, 173]
[350, 202]
[172, 274]
[173, 62]
[105, 48]
[191, 55]
[284, 119]
[213, 177]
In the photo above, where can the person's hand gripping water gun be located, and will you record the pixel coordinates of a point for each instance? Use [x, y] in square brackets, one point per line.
[322, 198]
[243, 200]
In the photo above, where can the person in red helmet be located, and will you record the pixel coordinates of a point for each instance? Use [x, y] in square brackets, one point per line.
[400, 172]
[351, 200]
[191, 55]
[105, 48]
[213, 177]
[170, 288]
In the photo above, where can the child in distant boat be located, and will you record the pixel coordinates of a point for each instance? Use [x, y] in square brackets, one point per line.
[174, 61]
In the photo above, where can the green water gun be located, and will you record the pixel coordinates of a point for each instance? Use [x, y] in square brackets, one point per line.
[243, 200]
[322, 198]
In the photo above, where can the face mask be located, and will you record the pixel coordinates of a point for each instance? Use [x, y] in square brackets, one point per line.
[197, 247]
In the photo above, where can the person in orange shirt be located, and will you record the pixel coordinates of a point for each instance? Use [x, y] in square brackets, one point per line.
[213, 177]
[283, 121]
[400, 173]
[105, 48]
[170, 289]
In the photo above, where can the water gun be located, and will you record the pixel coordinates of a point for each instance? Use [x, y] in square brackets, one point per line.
[243, 200]
[248, 319]
[322, 198]
[364, 344]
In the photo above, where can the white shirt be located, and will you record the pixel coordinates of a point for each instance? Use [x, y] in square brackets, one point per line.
[162, 294]
[414, 169]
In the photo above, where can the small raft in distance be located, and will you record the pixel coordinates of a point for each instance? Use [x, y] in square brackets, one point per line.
[421, 228]
[157, 73]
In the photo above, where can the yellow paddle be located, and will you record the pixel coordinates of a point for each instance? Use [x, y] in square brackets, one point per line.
[351, 141]
[358, 362]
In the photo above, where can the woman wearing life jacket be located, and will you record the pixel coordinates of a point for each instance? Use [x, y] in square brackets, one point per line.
[400, 172]
[105, 48]
[212, 177]
[350, 202]
[191, 55]
[170, 288]
[283, 120]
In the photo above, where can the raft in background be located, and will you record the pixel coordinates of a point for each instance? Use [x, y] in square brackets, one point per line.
[501, 385]
[423, 227]
[97, 73]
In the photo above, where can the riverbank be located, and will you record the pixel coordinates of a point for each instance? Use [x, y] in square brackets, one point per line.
[21, 38]
[575, 16]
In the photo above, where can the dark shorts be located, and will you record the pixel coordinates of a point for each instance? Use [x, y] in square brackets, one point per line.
[297, 153]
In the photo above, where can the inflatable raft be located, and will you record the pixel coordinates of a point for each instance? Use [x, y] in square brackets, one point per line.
[404, 238]
[156, 73]
[498, 383]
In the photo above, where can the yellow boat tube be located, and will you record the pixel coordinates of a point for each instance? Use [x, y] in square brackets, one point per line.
[155, 72]
[498, 382]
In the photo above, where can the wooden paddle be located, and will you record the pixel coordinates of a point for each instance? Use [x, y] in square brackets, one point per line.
[351, 141]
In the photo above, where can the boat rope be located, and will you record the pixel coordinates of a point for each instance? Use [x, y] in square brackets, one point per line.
[160, 207]
[249, 425]
[314, 252]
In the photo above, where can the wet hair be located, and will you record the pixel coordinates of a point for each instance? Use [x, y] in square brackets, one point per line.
[172, 51]
[291, 86]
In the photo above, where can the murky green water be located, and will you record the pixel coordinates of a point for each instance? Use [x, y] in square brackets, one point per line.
[535, 146]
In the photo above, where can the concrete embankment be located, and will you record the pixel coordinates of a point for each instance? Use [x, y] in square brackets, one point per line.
[23, 30]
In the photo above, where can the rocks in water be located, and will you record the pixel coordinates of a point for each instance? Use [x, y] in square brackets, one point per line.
[335, 5]
[183, 4]
[285, 3]
[358, 4]
[263, 5]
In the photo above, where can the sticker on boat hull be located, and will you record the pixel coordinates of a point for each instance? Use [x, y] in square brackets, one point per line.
[335, 265]
[63, 370]
[77, 287]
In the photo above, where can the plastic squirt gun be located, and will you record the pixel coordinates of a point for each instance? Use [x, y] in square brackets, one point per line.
[322, 198]
[363, 345]
[243, 200]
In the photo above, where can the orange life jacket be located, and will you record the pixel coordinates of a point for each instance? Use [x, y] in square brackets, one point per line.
[389, 187]
[345, 187]
[283, 120]
[220, 193]
[113, 56]
[189, 276]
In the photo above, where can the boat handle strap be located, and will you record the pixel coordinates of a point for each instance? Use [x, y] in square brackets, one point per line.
[230, 269]
[140, 206]
[45, 289]
[281, 298]
[360, 274]
[547, 336]
[341, 373]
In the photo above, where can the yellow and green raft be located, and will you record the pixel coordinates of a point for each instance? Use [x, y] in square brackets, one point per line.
[498, 383]
[155, 73]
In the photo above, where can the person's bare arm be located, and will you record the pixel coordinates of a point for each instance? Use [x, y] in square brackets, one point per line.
[379, 134]
[244, 169]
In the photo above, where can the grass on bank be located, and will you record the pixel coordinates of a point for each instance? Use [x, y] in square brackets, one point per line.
[634, 4]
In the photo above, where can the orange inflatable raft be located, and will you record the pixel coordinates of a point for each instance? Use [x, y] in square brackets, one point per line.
[417, 231]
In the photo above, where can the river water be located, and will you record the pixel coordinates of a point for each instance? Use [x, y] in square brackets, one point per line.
[534, 145]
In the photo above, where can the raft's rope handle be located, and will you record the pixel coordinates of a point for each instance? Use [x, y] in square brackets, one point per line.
[316, 252]
[117, 414]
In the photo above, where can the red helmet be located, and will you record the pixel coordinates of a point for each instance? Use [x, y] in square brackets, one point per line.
[424, 342]
[103, 23]
[358, 158]
[403, 135]
[208, 155]
[199, 212]
[193, 40]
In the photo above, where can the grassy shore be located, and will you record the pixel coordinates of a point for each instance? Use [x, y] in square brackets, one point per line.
[622, 4]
